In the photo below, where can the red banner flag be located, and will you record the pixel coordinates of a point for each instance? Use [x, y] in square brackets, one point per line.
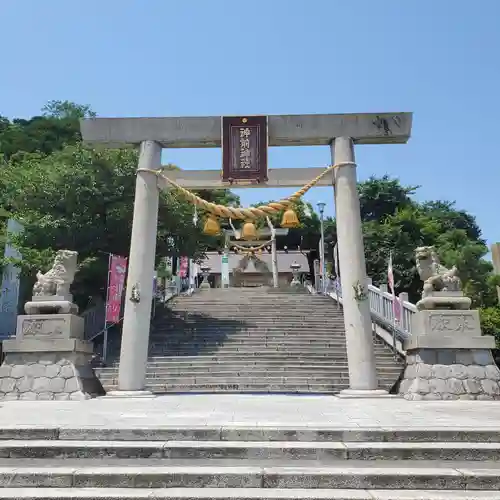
[117, 271]
[183, 267]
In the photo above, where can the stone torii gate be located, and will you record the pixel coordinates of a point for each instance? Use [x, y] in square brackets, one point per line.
[339, 131]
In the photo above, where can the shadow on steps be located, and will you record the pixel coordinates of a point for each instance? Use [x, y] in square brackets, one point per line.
[173, 333]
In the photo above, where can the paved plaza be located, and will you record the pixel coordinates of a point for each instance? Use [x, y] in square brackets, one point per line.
[251, 410]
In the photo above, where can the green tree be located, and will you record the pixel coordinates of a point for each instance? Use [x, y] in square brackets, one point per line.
[59, 125]
[82, 199]
[67, 110]
[381, 197]
[394, 222]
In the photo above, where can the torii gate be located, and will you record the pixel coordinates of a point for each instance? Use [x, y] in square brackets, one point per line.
[339, 131]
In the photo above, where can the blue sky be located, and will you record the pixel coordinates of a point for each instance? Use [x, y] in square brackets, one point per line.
[439, 59]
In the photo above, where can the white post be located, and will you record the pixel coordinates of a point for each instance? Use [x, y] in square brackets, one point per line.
[274, 253]
[225, 268]
[139, 293]
[357, 318]
[322, 256]
[274, 258]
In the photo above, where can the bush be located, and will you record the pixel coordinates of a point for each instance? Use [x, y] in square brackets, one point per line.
[490, 322]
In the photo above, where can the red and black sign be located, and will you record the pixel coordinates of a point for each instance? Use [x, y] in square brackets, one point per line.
[244, 149]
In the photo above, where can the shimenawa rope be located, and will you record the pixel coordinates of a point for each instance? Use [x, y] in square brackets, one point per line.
[250, 213]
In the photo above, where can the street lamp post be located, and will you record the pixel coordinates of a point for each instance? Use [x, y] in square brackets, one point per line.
[321, 208]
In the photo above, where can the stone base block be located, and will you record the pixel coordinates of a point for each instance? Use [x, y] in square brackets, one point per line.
[443, 374]
[361, 393]
[130, 394]
[445, 300]
[457, 324]
[51, 307]
[47, 375]
[49, 326]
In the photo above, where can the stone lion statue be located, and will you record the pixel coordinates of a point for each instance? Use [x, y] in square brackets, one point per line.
[58, 279]
[435, 276]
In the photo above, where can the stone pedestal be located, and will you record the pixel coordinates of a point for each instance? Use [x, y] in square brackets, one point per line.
[448, 358]
[51, 305]
[48, 360]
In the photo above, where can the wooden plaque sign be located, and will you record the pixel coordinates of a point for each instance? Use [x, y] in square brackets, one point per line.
[244, 149]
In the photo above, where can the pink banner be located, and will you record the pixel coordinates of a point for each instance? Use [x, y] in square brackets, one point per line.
[117, 271]
[397, 309]
[183, 267]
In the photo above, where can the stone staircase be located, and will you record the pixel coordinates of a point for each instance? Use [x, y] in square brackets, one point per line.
[181, 463]
[251, 340]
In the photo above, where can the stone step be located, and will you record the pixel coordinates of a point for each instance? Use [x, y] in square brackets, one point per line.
[255, 345]
[246, 333]
[279, 308]
[208, 361]
[275, 309]
[326, 452]
[222, 371]
[257, 334]
[241, 362]
[249, 326]
[214, 317]
[244, 358]
[151, 473]
[251, 380]
[228, 352]
[255, 387]
[236, 296]
[238, 494]
[217, 352]
[297, 343]
[312, 317]
[227, 346]
[247, 379]
[252, 433]
[254, 302]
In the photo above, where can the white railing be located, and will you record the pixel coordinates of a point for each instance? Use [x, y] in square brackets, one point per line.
[393, 331]
[381, 306]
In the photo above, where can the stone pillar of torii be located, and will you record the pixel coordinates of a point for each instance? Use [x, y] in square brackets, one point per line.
[339, 132]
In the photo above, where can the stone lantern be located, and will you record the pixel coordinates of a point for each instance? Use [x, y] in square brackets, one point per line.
[205, 272]
[295, 267]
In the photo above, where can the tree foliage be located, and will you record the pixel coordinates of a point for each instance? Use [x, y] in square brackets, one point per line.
[56, 127]
[70, 196]
[393, 221]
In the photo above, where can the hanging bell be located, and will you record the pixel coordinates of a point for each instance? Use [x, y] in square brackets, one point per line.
[212, 227]
[249, 232]
[290, 219]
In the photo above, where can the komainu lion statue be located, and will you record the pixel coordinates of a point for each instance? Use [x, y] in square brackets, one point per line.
[57, 280]
[435, 276]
